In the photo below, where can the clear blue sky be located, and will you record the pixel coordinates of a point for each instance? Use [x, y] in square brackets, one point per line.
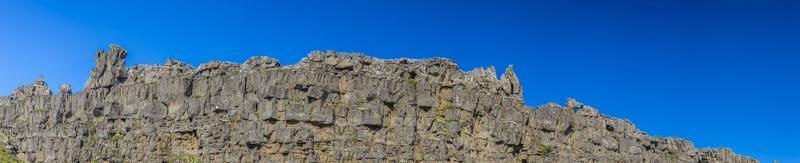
[721, 73]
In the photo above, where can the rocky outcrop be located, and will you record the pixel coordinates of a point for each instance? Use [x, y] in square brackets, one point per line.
[37, 88]
[109, 68]
[329, 107]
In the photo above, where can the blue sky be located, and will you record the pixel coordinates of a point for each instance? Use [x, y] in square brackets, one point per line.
[720, 73]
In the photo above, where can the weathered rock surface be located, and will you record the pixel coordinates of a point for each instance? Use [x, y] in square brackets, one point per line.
[330, 107]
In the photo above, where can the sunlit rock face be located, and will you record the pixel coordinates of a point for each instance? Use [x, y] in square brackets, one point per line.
[330, 107]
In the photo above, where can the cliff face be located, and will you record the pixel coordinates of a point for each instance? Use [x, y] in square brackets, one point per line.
[330, 107]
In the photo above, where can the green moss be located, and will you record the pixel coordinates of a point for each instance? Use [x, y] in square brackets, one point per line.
[5, 151]
[442, 107]
[89, 142]
[362, 104]
[116, 138]
[545, 149]
[89, 125]
[362, 101]
[190, 158]
[4, 139]
[39, 110]
[348, 158]
[410, 81]
[439, 120]
[7, 157]
[116, 151]
[18, 124]
[297, 100]
[93, 138]
[445, 105]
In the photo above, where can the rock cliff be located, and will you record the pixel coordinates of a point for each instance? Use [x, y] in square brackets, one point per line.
[329, 107]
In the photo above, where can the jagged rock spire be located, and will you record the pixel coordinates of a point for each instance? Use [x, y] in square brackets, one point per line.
[511, 82]
[109, 68]
[491, 72]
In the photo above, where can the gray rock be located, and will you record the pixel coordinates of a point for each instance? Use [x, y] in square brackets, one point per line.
[37, 88]
[109, 68]
[260, 62]
[316, 92]
[511, 82]
[65, 88]
[330, 107]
